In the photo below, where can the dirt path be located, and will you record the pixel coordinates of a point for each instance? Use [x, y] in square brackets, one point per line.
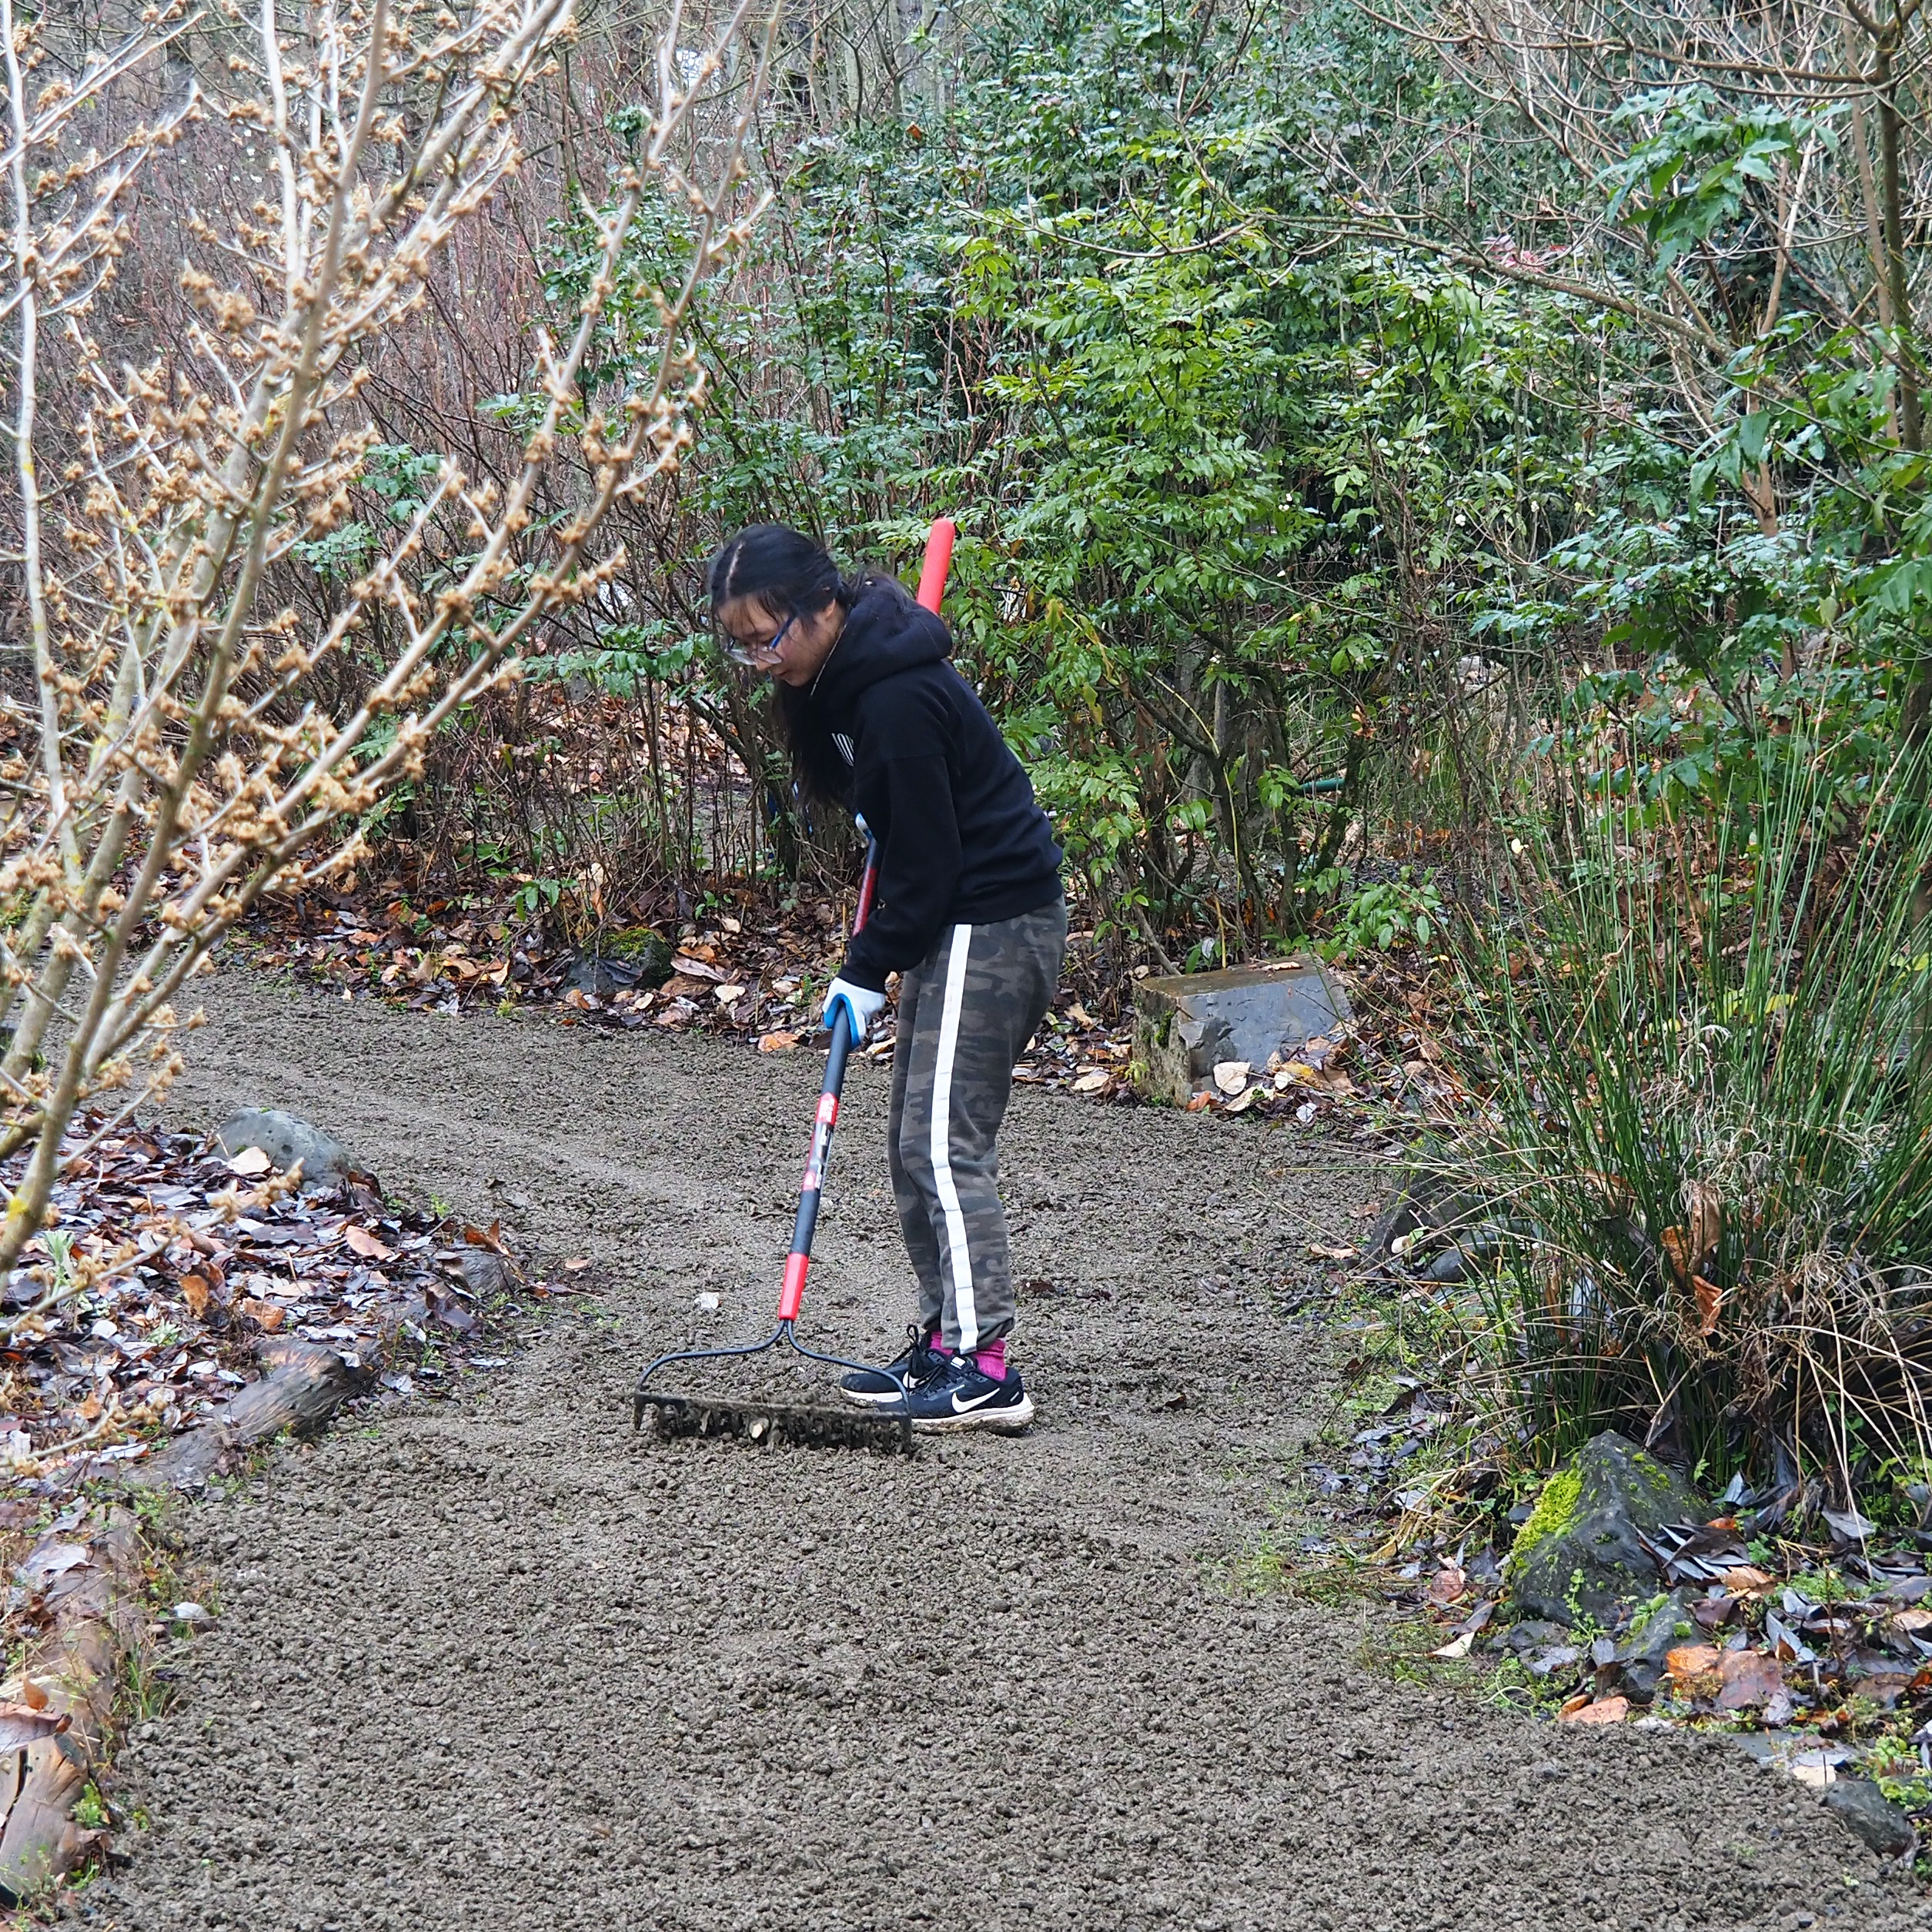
[496, 1663]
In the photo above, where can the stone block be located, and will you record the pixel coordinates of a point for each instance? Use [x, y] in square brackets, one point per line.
[1186, 1025]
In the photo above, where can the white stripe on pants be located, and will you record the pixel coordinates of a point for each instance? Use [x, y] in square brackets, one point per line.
[961, 1254]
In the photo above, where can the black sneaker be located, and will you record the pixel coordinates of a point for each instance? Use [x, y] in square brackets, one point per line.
[919, 1363]
[963, 1396]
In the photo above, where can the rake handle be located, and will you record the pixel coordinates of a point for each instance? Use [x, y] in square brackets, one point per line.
[791, 1294]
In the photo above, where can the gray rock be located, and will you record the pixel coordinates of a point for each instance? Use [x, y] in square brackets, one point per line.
[1641, 1656]
[486, 1274]
[286, 1138]
[638, 957]
[1799, 1754]
[1581, 1552]
[1185, 1025]
[1537, 1634]
[1868, 1814]
[595, 978]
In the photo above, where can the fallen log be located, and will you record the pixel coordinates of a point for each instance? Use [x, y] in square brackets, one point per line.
[302, 1386]
[55, 1715]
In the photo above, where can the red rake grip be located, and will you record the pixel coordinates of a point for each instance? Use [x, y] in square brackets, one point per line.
[791, 1295]
[939, 560]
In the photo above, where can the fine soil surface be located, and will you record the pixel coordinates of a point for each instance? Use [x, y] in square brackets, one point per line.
[497, 1662]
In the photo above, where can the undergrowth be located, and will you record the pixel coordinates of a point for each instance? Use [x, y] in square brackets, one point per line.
[1700, 1132]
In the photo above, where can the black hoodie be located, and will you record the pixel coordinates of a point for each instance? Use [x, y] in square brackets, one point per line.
[960, 840]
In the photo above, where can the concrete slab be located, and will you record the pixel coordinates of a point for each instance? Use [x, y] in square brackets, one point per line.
[1185, 1024]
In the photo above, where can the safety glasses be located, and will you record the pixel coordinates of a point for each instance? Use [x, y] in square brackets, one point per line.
[758, 657]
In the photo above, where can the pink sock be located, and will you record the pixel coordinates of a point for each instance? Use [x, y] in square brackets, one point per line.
[938, 1346]
[991, 1359]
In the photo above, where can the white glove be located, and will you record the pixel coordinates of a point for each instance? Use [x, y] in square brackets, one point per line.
[861, 1002]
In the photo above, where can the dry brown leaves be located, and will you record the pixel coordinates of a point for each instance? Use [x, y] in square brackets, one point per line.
[191, 1259]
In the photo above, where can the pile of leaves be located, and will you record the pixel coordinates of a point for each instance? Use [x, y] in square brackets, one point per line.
[141, 1310]
[758, 975]
[759, 980]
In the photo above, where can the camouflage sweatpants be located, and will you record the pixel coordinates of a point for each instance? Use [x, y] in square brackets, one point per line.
[966, 1011]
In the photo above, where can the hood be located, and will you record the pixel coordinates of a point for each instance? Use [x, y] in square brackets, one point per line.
[885, 633]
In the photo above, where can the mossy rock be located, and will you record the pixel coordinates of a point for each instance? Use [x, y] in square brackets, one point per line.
[643, 948]
[1581, 1555]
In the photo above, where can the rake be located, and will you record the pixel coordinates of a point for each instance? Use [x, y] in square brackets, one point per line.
[802, 1424]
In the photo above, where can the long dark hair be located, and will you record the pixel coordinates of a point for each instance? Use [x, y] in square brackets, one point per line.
[792, 575]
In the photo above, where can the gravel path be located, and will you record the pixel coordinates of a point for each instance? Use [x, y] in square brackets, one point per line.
[497, 1663]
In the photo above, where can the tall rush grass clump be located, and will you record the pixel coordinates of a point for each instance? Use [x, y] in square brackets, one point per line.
[1705, 1133]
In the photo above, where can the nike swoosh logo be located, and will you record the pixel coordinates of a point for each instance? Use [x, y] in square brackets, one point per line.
[961, 1406]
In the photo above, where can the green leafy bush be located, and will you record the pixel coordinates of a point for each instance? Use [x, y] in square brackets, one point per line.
[1399, 911]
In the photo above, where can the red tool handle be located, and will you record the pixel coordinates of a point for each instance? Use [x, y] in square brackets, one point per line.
[791, 1295]
[939, 560]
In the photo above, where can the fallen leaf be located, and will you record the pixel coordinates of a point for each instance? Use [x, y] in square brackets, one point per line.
[1605, 1710]
[1786, 1645]
[1317, 1252]
[1456, 1647]
[50, 1560]
[32, 1695]
[1199, 1101]
[1448, 1585]
[1751, 1679]
[1706, 1219]
[251, 1160]
[1849, 1525]
[1746, 1579]
[24, 1724]
[1710, 1299]
[1693, 1669]
[1711, 1612]
[768, 1043]
[368, 1245]
[1091, 1083]
[725, 995]
[1231, 1076]
[1571, 1705]
[1080, 1017]
[194, 1291]
[1299, 1070]
[1677, 1248]
[576, 1264]
[264, 1314]
[1367, 1212]
[1911, 1623]
[1242, 1101]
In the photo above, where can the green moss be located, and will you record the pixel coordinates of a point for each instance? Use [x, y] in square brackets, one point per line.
[642, 943]
[1555, 1510]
